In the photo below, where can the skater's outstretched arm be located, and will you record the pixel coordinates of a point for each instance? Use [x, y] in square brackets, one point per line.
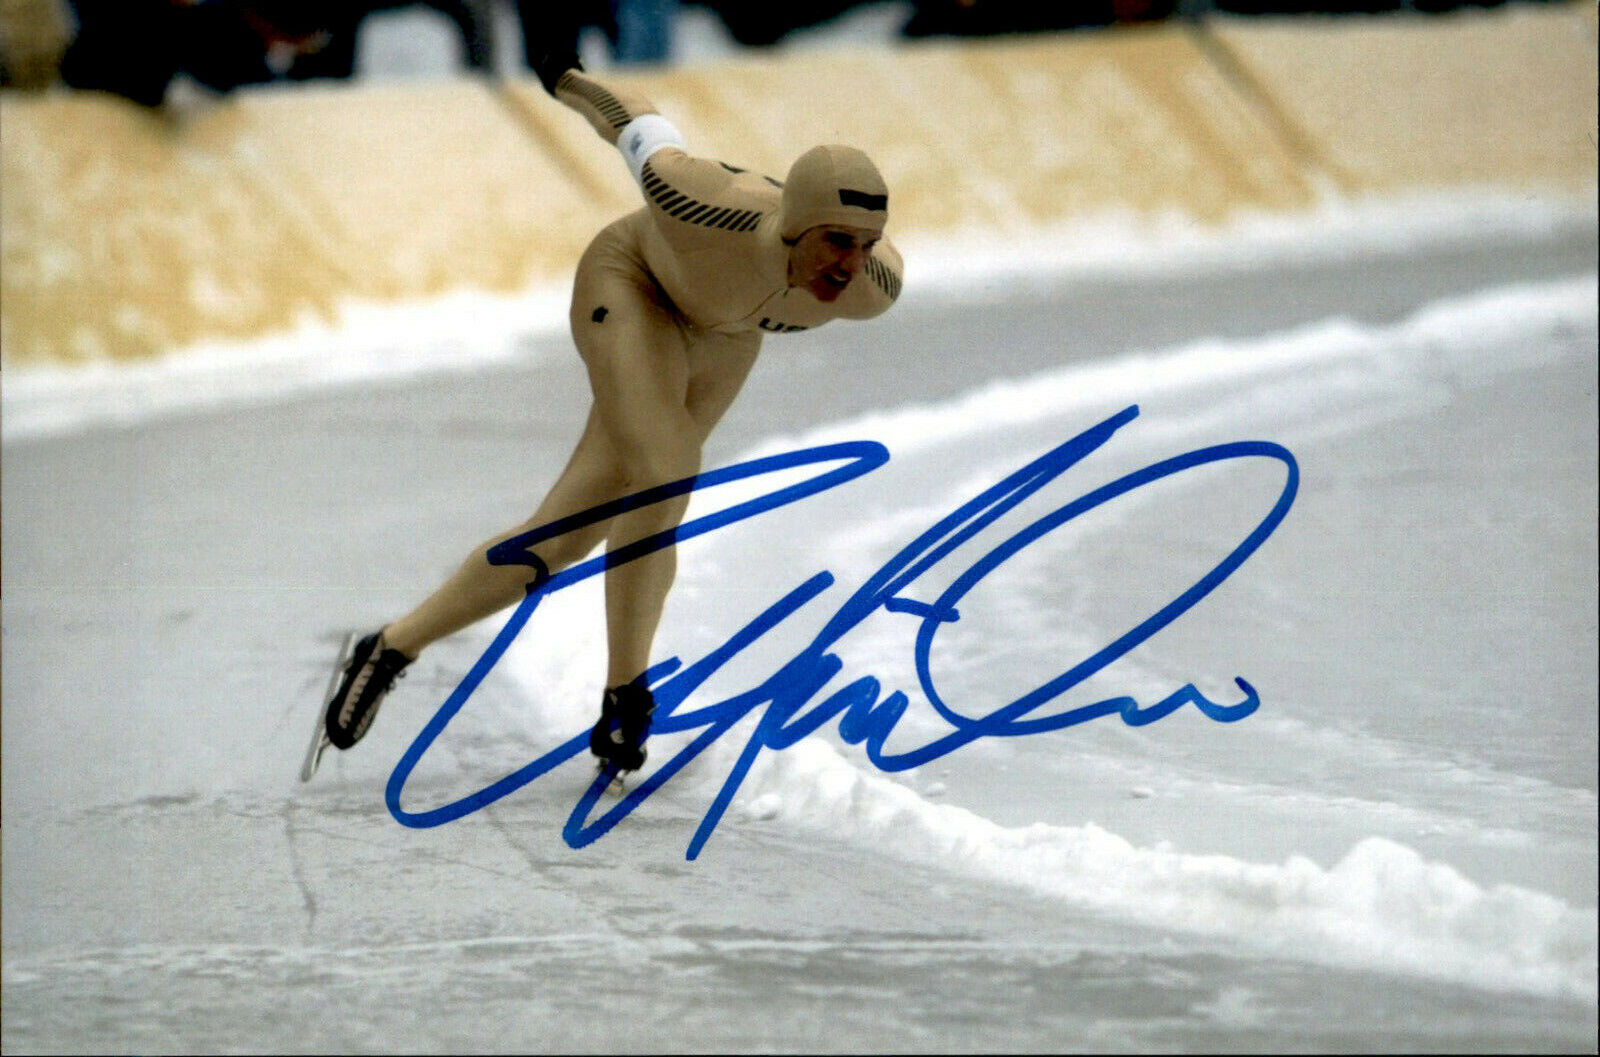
[607, 108]
[686, 193]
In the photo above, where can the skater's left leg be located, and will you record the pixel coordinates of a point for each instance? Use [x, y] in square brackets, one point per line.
[636, 592]
[661, 436]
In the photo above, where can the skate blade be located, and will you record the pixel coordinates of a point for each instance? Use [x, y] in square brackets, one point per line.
[319, 736]
[313, 760]
[617, 785]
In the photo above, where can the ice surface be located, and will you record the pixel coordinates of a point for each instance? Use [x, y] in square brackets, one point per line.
[1396, 851]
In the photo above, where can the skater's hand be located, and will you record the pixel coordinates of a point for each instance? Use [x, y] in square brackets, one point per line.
[553, 60]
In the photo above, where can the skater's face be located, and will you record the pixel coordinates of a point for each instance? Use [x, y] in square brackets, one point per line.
[826, 258]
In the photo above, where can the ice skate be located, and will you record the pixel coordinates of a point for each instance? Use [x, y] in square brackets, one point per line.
[365, 672]
[618, 738]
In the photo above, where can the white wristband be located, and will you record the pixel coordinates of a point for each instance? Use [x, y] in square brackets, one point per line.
[642, 137]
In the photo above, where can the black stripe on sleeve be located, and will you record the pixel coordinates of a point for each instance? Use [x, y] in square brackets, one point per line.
[689, 210]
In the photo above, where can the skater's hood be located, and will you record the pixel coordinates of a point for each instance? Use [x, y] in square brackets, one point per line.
[833, 184]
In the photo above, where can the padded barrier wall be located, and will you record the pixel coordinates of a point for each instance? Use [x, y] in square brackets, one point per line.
[127, 235]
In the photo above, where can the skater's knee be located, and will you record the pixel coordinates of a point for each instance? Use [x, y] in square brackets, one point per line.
[662, 460]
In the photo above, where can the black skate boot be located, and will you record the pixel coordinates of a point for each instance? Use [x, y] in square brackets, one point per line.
[371, 672]
[618, 739]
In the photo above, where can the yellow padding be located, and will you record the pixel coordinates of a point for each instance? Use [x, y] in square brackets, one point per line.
[127, 235]
[1504, 97]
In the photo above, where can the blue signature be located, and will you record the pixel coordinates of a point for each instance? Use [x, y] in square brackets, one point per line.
[865, 716]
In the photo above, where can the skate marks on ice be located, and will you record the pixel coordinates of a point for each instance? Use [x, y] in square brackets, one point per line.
[768, 936]
[861, 992]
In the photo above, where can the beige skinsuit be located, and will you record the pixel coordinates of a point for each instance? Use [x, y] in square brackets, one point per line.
[669, 307]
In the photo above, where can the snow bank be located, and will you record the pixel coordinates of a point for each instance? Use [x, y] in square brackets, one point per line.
[1382, 906]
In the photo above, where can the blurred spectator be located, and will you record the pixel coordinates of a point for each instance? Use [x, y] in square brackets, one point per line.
[1302, 7]
[34, 35]
[135, 48]
[636, 31]
[1342, 7]
[341, 21]
[127, 47]
[963, 18]
[644, 30]
[474, 20]
[757, 24]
